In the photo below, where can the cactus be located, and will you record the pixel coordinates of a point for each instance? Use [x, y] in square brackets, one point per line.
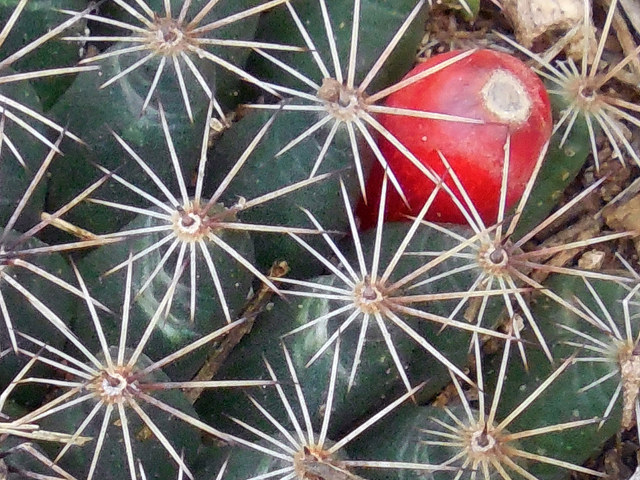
[185, 289]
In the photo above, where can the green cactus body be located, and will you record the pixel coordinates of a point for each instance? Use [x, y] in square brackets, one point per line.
[244, 463]
[378, 22]
[213, 44]
[38, 18]
[17, 280]
[191, 204]
[425, 437]
[24, 460]
[590, 388]
[247, 360]
[265, 173]
[112, 460]
[410, 426]
[291, 444]
[499, 436]
[564, 161]
[372, 366]
[177, 328]
[339, 86]
[15, 177]
[119, 107]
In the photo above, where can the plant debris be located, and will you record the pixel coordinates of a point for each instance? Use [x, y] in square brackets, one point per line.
[533, 18]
